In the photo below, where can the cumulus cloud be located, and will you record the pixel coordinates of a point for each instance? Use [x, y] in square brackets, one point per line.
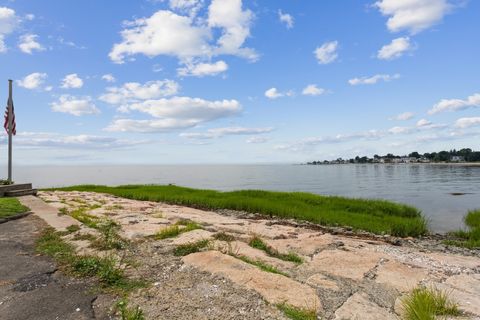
[313, 90]
[81, 141]
[203, 69]
[395, 49]
[74, 105]
[286, 18]
[273, 93]
[72, 81]
[108, 77]
[191, 7]
[220, 132]
[467, 122]
[327, 53]
[413, 15]
[134, 91]
[33, 81]
[472, 101]
[373, 79]
[150, 126]
[28, 43]
[403, 116]
[8, 22]
[188, 37]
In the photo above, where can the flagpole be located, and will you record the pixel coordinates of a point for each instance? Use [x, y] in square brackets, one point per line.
[10, 104]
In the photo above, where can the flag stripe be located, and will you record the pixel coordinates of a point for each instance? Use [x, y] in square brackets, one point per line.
[14, 125]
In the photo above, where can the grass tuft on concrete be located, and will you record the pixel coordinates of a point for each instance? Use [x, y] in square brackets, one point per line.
[129, 313]
[188, 248]
[11, 207]
[261, 265]
[427, 304]
[294, 313]
[223, 236]
[257, 243]
[174, 230]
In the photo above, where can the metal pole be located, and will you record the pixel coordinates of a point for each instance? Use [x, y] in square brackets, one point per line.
[10, 124]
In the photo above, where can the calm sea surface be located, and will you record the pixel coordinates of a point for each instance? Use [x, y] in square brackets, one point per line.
[428, 187]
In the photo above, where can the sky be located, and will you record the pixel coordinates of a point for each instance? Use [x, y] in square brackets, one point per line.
[238, 81]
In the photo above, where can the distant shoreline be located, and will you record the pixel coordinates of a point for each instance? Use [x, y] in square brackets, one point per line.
[456, 164]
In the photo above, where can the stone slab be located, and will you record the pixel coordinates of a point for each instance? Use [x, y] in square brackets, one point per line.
[359, 307]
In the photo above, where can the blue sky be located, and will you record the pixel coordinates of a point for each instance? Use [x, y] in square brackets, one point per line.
[232, 81]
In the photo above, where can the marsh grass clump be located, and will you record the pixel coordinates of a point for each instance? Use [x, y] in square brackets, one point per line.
[295, 313]
[467, 238]
[257, 243]
[377, 216]
[129, 313]
[186, 249]
[428, 303]
[174, 230]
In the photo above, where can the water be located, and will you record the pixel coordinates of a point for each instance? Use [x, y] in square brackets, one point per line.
[424, 186]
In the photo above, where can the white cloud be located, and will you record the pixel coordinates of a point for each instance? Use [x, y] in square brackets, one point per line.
[203, 69]
[196, 109]
[108, 77]
[150, 126]
[467, 122]
[273, 93]
[374, 79]
[29, 16]
[220, 132]
[413, 15]
[81, 141]
[423, 123]
[399, 130]
[134, 91]
[256, 140]
[327, 53]
[403, 116]
[313, 90]
[28, 43]
[33, 81]
[8, 23]
[286, 18]
[191, 7]
[395, 49]
[72, 81]
[188, 37]
[472, 101]
[75, 106]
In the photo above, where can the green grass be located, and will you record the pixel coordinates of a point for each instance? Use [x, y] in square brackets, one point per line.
[258, 243]
[174, 230]
[261, 265]
[467, 238]
[105, 269]
[297, 313]
[10, 207]
[81, 215]
[377, 216]
[222, 236]
[428, 303]
[186, 249]
[128, 313]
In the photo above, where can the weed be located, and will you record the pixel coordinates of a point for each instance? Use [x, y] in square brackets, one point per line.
[87, 219]
[261, 265]
[51, 244]
[258, 243]
[222, 236]
[73, 228]
[186, 249]
[428, 303]
[84, 236]
[62, 211]
[174, 230]
[128, 313]
[110, 239]
[294, 313]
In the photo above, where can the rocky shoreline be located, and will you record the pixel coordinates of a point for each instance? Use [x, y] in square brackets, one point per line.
[343, 274]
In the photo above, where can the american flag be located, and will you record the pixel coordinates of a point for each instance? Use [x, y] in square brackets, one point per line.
[5, 125]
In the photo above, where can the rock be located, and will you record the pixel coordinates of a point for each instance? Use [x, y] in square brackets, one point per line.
[346, 264]
[465, 290]
[400, 276]
[358, 307]
[192, 236]
[273, 287]
[321, 281]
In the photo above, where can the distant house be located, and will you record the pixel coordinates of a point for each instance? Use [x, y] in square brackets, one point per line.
[457, 159]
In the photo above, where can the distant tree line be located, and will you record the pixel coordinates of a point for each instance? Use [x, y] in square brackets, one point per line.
[462, 155]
